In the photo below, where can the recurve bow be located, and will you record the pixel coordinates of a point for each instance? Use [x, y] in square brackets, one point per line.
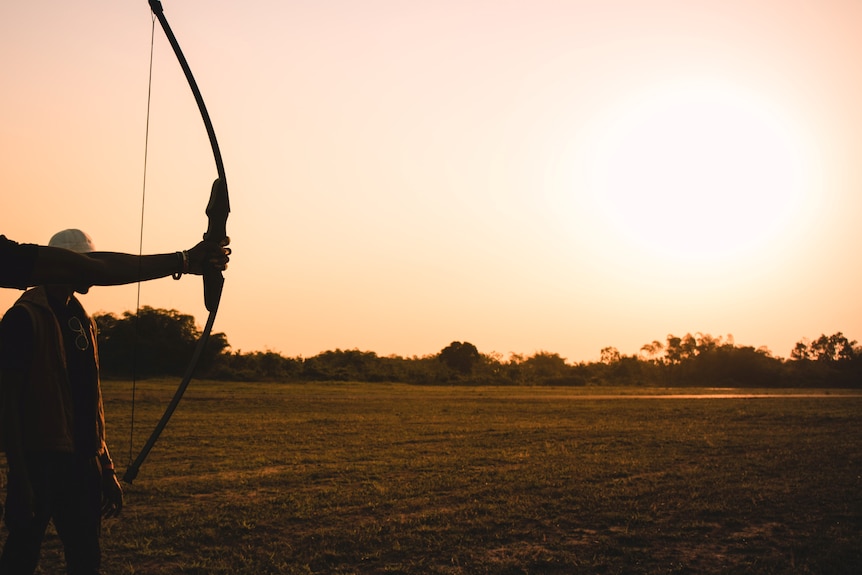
[217, 211]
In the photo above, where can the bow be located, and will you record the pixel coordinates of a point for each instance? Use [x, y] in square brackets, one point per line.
[217, 212]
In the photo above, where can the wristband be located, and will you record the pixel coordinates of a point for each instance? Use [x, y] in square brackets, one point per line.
[182, 264]
[178, 274]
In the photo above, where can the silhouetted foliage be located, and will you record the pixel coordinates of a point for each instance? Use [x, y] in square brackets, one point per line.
[828, 361]
[152, 342]
[460, 357]
[350, 365]
[256, 366]
[160, 342]
[832, 349]
[544, 367]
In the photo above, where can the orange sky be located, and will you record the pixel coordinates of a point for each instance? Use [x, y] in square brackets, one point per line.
[524, 175]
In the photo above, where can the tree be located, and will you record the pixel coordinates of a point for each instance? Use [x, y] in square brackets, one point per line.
[826, 349]
[460, 357]
[688, 347]
[343, 365]
[152, 342]
[834, 348]
[544, 366]
[653, 351]
[707, 343]
[673, 350]
[679, 349]
[800, 351]
[609, 355]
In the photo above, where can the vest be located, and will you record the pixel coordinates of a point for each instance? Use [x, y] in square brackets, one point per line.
[48, 417]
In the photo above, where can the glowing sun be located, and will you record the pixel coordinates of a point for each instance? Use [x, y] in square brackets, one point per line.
[699, 173]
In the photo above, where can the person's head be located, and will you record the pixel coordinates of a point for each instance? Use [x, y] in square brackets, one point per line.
[77, 241]
[74, 240]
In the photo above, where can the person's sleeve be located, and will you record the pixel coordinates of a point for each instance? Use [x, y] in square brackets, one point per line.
[17, 262]
[16, 340]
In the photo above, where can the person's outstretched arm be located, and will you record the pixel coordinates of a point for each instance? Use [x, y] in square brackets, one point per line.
[60, 266]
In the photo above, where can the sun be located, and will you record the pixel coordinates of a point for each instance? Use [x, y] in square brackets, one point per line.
[699, 173]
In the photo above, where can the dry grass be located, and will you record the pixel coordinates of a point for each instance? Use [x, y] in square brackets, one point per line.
[373, 479]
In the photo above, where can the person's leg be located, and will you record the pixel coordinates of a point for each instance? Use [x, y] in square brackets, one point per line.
[77, 516]
[22, 549]
[27, 520]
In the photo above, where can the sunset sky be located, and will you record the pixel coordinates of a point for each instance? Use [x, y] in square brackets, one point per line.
[525, 175]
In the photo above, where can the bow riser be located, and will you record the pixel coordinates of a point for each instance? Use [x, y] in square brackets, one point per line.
[217, 211]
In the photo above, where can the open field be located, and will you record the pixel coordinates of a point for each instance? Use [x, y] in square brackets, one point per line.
[368, 478]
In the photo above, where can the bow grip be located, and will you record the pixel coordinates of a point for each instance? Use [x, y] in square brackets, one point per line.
[217, 211]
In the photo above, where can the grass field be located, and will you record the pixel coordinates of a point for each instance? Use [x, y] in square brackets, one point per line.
[373, 479]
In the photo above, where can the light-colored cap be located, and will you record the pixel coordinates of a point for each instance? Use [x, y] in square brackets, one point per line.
[74, 240]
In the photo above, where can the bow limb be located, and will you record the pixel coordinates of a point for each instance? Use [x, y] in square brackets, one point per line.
[217, 212]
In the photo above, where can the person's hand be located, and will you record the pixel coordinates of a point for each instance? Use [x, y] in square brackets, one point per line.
[112, 495]
[208, 255]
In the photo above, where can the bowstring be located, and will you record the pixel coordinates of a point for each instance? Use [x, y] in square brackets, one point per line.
[141, 240]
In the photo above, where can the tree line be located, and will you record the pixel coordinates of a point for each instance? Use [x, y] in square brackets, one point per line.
[159, 342]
